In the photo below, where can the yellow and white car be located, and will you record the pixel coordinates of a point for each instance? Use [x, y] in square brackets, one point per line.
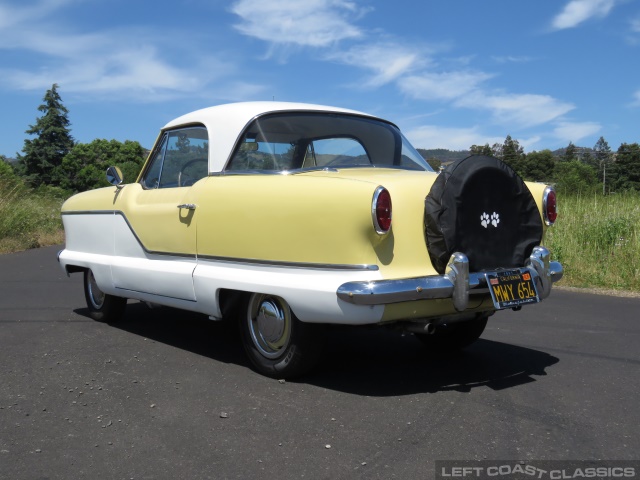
[286, 217]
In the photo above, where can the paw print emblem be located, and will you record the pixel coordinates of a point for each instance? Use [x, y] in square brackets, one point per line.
[485, 220]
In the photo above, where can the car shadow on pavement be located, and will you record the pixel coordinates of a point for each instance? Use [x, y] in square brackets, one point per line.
[371, 361]
[189, 331]
[384, 362]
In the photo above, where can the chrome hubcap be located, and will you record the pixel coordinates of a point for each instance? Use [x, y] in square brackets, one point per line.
[269, 320]
[96, 296]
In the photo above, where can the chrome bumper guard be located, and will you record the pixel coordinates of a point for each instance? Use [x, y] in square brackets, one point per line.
[457, 283]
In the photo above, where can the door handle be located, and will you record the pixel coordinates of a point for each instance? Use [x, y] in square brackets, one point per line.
[188, 206]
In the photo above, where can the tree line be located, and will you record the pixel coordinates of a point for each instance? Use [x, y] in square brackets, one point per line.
[54, 158]
[572, 169]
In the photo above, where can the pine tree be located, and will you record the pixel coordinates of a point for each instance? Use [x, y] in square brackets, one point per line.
[44, 154]
[570, 153]
[513, 154]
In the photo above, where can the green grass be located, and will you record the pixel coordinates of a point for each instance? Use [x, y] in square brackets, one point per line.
[597, 239]
[28, 218]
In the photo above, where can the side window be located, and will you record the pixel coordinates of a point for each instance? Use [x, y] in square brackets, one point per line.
[335, 152]
[181, 160]
[257, 155]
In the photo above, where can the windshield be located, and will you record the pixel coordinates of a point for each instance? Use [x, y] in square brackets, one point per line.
[301, 141]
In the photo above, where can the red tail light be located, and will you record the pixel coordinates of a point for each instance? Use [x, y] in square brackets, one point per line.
[381, 210]
[549, 206]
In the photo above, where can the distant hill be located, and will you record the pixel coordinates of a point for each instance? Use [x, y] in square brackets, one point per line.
[447, 156]
[580, 151]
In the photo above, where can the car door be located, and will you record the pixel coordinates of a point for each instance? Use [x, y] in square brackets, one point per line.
[155, 238]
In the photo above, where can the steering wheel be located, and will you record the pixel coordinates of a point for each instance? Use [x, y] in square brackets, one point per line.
[182, 183]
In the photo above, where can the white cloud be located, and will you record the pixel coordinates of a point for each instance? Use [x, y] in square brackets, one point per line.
[577, 11]
[134, 70]
[314, 23]
[575, 131]
[512, 59]
[528, 144]
[127, 64]
[636, 99]
[432, 136]
[522, 110]
[414, 70]
[442, 86]
[10, 16]
[387, 61]
[635, 25]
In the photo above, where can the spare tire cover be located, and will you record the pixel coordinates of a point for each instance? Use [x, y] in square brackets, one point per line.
[480, 207]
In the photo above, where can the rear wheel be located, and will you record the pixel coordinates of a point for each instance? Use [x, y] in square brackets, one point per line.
[277, 343]
[102, 307]
[453, 336]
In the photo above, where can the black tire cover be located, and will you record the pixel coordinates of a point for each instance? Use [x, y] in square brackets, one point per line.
[480, 207]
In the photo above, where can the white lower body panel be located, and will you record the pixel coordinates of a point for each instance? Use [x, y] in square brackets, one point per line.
[311, 293]
[106, 244]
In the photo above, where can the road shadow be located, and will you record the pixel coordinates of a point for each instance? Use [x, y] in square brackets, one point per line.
[384, 362]
[189, 331]
[370, 361]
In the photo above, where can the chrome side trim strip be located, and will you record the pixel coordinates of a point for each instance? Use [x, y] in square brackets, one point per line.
[276, 263]
[91, 212]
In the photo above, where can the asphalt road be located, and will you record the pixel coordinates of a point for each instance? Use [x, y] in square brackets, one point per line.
[169, 394]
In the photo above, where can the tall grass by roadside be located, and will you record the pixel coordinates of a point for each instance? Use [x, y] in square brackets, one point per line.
[597, 239]
[28, 218]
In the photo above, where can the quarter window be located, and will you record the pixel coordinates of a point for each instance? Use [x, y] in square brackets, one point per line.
[335, 152]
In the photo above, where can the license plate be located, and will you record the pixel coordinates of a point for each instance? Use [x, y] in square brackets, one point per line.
[511, 288]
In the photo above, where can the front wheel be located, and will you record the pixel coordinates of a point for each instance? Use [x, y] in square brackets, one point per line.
[102, 307]
[277, 343]
[453, 336]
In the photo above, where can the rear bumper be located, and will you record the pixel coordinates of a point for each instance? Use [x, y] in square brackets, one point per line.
[457, 283]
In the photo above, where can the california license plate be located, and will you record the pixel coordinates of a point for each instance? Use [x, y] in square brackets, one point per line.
[512, 288]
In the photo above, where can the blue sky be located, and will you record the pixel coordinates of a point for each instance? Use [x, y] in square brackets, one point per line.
[449, 73]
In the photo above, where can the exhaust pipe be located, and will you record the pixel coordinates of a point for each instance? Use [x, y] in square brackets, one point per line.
[430, 328]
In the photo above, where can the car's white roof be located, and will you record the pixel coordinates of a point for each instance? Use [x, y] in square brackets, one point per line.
[226, 122]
